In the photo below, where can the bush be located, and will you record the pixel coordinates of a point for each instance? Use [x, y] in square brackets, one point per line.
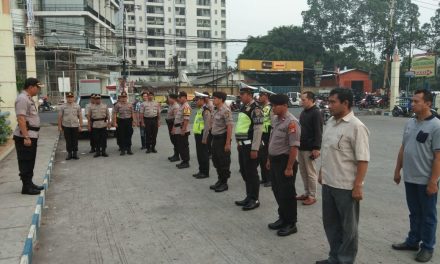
[5, 129]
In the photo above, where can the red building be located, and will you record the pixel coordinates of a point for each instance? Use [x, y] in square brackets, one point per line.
[359, 81]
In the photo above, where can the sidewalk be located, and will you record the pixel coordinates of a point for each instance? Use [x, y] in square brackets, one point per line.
[16, 210]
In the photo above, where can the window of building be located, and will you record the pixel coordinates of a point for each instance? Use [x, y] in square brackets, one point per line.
[215, 11]
[180, 32]
[180, 11]
[181, 43]
[154, 1]
[223, 13]
[203, 12]
[154, 9]
[203, 33]
[224, 34]
[215, 21]
[131, 42]
[180, 21]
[142, 63]
[204, 45]
[204, 2]
[223, 3]
[131, 29]
[204, 55]
[180, 2]
[223, 45]
[156, 64]
[155, 32]
[131, 53]
[223, 55]
[203, 23]
[156, 43]
[201, 65]
[223, 23]
[181, 54]
[156, 54]
[133, 62]
[155, 21]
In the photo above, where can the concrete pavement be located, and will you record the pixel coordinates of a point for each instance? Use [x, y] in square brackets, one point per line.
[141, 209]
[16, 210]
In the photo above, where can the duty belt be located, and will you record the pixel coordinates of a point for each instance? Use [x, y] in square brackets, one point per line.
[99, 119]
[247, 142]
[219, 136]
[178, 125]
[29, 127]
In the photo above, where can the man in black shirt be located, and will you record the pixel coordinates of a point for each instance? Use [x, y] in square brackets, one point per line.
[311, 137]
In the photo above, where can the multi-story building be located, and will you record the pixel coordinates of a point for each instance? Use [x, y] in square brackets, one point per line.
[158, 30]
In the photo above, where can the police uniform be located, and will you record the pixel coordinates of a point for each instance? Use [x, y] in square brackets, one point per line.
[123, 112]
[171, 114]
[99, 118]
[25, 107]
[221, 119]
[267, 126]
[150, 110]
[183, 114]
[69, 118]
[248, 133]
[285, 134]
[201, 129]
[210, 106]
[86, 110]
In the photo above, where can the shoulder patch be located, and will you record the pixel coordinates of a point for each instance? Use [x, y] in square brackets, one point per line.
[186, 111]
[292, 127]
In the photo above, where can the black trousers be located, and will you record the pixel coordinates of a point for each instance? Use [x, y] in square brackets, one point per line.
[249, 172]
[150, 131]
[210, 143]
[220, 158]
[92, 141]
[100, 138]
[26, 159]
[284, 188]
[125, 132]
[71, 137]
[202, 154]
[262, 156]
[183, 146]
[170, 124]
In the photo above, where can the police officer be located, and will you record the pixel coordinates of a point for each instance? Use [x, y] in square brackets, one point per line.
[181, 130]
[267, 113]
[26, 135]
[283, 150]
[99, 120]
[123, 120]
[70, 122]
[150, 111]
[221, 130]
[201, 129]
[210, 105]
[173, 107]
[86, 110]
[248, 133]
[144, 96]
[117, 134]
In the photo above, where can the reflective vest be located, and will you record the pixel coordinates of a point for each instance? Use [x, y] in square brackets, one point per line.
[199, 123]
[267, 123]
[244, 124]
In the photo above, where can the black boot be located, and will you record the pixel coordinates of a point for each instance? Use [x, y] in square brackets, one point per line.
[97, 153]
[175, 158]
[28, 189]
[69, 155]
[153, 149]
[129, 151]
[103, 153]
[37, 187]
[122, 153]
[75, 155]
[92, 150]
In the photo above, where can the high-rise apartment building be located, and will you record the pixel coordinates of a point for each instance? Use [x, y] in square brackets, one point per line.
[158, 30]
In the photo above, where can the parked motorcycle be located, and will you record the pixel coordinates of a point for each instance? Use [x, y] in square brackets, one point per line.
[402, 111]
[325, 112]
[46, 107]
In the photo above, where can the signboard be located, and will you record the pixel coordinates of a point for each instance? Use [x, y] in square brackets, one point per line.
[89, 86]
[98, 60]
[64, 84]
[423, 66]
[260, 65]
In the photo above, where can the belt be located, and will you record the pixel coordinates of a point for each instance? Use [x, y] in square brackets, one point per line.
[279, 157]
[128, 118]
[219, 136]
[99, 119]
[244, 142]
[33, 128]
[178, 125]
[170, 120]
[154, 117]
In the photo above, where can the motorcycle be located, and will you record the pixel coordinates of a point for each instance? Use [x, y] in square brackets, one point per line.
[46, 107]
[325, 112]
[368, 102]
[401, 111]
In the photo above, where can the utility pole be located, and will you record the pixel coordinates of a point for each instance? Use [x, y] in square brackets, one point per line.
[124, 62]
[388, 43]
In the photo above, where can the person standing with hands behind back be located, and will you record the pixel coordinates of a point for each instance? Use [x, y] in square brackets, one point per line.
[419, 156]
[70, 122]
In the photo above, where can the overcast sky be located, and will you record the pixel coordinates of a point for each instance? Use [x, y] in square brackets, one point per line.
[256, 17]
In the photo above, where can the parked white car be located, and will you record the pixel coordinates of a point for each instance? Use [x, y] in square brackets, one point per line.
[83, 100]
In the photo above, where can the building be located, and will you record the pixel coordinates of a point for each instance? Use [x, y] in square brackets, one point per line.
[68, 33]
[158, 30]
[358, 80]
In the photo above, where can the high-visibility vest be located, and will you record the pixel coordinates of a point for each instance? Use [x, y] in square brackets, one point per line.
[244, 124]
[199, 123]
[267, 123]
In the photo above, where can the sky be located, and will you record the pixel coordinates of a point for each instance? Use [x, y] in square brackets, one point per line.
[256, 17]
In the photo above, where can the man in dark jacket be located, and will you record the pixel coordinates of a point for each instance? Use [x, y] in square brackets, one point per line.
[311, 137]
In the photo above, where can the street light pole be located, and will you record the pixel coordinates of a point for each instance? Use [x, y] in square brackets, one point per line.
[124, 62]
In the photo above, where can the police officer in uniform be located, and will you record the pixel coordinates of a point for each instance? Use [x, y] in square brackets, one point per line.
[267, 113]
[210, 105]
[283, 150]
[150, 111]
[99, 120]
[26, 135]
[201, 129]
[144, 96]
[221, 130]
[248, 133]
[86, 110]
[181, 130]
[123, 120]
[173, 107]
[70, 122]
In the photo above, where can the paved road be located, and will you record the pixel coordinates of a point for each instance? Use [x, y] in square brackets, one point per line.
[141, 209]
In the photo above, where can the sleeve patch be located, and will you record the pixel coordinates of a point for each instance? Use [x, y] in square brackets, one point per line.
[292, 128]
[186, 111]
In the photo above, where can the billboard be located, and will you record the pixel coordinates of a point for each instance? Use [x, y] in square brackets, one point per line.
[261, 65]
[423, 65]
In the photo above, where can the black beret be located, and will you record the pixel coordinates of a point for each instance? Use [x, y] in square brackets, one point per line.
[220, 95]
[183, 94]
[207, 93]
[279, 99]
[174, 96]
[32, 82]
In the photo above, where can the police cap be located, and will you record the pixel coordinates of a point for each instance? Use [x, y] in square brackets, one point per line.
[69, 94]
[123, 94]
[32, 82]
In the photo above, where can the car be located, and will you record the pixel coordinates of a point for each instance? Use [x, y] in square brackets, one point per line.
[294, 99]
[83, 100]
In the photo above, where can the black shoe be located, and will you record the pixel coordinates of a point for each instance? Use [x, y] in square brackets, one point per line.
[287, 230]
[104, 154]
[129, 152]
[122, 153]
[196, 174]
[424, 255]
[183, 165]
[243, 202]
[154, 150]
[37, 187]
[267, 184]
[278, 224]
[174, 159]
[69, 156]
[262, 182]
[143, 147]
[30, 190]
[253, 204]
[215, 185]
[322, 262]
[405, 246]
[222, 187]
[75, 155]
[97, 154]
[202, 176]
[148, 151]
[92, 150]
